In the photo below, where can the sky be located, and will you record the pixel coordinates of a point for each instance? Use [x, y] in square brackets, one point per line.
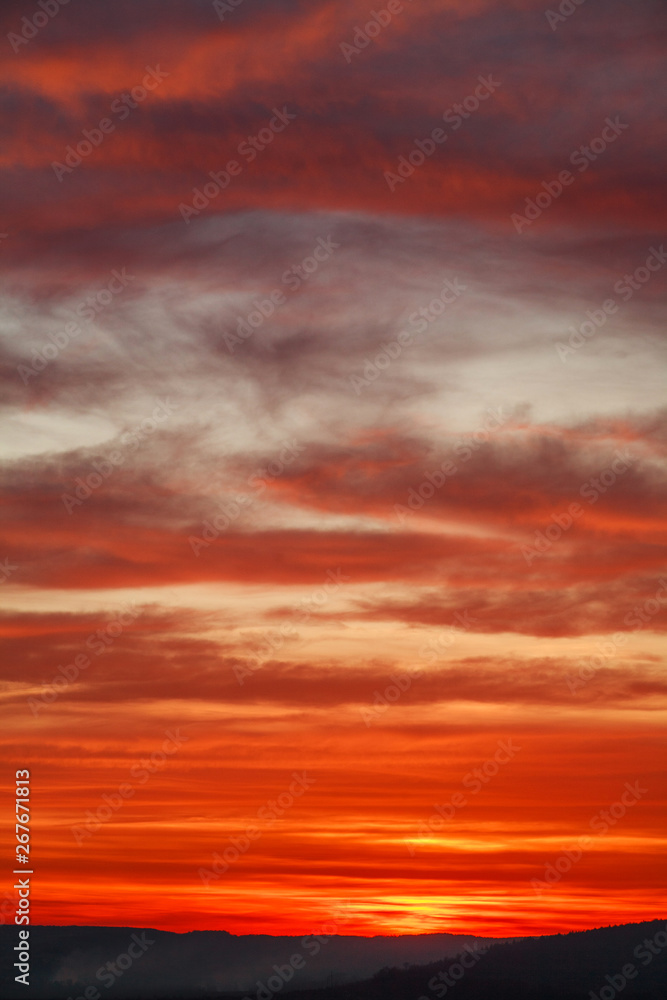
[333, 440]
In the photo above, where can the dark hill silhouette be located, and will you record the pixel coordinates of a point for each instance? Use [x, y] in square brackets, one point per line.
[191, 963]
[576, 966]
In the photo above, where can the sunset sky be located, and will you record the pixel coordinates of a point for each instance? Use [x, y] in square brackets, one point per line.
[349, 464]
